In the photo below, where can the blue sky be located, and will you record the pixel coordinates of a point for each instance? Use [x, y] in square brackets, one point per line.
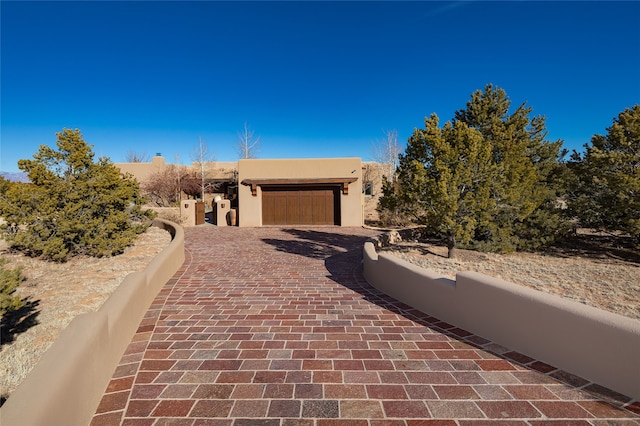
[312, 79]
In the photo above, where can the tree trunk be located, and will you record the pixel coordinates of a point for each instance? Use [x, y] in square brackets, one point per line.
[451, 246]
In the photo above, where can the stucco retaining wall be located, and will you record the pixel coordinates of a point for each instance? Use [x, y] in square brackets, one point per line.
[66, 385]
[597, 345]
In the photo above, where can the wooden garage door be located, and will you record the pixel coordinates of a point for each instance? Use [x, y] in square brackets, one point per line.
[300, 206]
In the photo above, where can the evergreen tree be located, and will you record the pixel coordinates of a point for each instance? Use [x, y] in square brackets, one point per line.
[446, 177]
[606, 192]
[529, 179]
[72, 204]
[488, 179]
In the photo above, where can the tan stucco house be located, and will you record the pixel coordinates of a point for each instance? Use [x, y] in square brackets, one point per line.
[288, 192]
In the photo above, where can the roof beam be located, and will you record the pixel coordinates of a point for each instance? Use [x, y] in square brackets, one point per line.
[342, 182]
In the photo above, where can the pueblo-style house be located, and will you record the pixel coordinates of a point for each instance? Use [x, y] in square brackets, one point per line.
[286, 192]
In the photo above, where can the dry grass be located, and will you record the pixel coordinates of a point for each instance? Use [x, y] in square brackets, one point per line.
[601, 273]
[56, 293]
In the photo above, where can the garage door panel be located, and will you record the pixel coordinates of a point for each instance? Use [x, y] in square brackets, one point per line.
[318, 208]
[300, 206]
[293, 208]
[267, 208]
[323, 202]
[306, 207]
[323, 207]
[274, 205]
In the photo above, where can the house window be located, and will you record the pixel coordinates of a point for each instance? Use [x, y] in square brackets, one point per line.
[367, 188]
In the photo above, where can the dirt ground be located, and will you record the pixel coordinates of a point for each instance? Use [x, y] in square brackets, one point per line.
[56, 293]
[597, 270]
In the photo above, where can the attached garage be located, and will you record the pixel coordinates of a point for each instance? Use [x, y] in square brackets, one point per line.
[295, 192]
[300, 205]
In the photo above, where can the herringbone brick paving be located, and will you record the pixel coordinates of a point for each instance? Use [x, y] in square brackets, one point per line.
[277, 327]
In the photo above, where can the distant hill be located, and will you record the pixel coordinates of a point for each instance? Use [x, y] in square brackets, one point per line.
[15, 177]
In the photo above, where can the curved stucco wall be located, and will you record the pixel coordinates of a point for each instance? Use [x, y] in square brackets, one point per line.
[598, 345]
[66, 385]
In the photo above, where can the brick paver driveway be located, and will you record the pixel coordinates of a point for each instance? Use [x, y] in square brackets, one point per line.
[272, 326]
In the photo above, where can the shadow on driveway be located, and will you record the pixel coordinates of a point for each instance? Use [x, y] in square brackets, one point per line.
[342, 254]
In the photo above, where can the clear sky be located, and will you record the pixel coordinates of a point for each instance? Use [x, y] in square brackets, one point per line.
[312, 79]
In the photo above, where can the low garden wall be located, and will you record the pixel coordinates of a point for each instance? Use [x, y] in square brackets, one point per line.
[597, 345]
[67, 384]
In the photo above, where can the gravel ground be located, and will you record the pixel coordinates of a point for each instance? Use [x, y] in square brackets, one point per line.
[57, 292]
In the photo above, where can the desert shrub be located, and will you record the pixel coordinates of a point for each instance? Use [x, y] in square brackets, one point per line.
[170, 214]
[162, 187]
[73, 205]
[10, 279]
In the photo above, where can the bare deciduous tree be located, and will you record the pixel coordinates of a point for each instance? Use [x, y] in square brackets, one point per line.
[386, 152]
[179, 172]
[247, 143]
[162, 186]
[137, 157]
[201, 156]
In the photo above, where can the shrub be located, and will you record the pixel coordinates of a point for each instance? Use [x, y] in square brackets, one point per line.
[10, 279]
[72, 204]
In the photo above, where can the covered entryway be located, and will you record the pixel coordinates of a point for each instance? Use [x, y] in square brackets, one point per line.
[300, 205]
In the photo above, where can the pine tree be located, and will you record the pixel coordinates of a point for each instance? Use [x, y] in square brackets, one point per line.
[606, 192]
[445, 179]
[72, 204]
[488, 179]
[528, 181]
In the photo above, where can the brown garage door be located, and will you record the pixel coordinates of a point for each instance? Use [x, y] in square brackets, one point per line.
[300, 206]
